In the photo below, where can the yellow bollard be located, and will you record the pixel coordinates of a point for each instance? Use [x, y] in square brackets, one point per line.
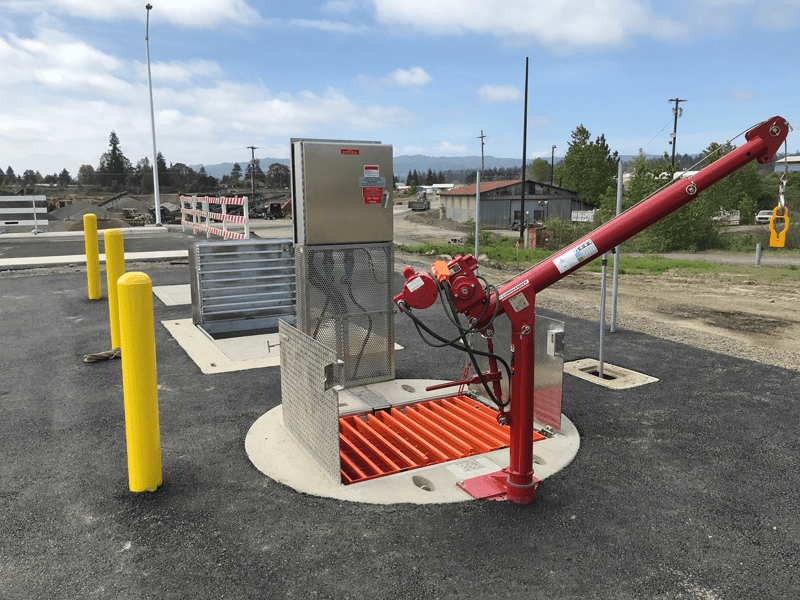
[92, 256]
[115, 268]
[135, 292]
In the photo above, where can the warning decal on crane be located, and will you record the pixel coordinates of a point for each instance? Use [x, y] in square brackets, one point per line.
[576, 256]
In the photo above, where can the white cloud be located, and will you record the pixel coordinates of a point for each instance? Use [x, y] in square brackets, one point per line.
[184, 71]
[61, 97]
[59, 62]
[414, 77]
[188, 13]
[336, 26]
[446, 148]
[499, 93]
[410, 150]
[562, 25]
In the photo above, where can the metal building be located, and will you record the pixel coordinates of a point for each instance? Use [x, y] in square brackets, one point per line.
[501, 200]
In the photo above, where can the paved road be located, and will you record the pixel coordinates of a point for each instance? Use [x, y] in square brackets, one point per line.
[146, 240]
[170, 238]
[684, 488]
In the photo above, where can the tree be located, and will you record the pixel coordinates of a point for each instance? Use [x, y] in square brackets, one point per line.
[87, 175]
[205, 182]
[689, 227]
[236, 173]
[589, 167]
[540, 171]
[10, 176]
[64, 178]
[143, 175]
[28, 178]
[180, 176]
[254, 172]
[113, 167]
[163, 172]
[278, 175]
[730, 191]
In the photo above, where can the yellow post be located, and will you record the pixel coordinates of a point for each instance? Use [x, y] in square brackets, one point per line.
[115, 268]
[139, 381]
[92, 255]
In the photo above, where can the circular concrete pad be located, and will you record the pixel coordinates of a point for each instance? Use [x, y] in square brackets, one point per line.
[274, 452]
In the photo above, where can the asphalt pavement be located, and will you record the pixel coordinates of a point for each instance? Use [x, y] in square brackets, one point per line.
[684, 488]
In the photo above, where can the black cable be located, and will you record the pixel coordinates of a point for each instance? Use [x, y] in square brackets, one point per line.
[471, 353]
[331, 293]
[468, 349]
[471, 329]
[348, 281]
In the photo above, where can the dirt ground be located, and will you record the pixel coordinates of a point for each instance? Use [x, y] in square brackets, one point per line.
[740, 315]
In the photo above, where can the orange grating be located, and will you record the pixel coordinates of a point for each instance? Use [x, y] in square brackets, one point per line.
[418, 435]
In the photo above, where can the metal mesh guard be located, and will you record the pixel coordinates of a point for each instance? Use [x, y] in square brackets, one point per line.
[347, 305]
[310, 412]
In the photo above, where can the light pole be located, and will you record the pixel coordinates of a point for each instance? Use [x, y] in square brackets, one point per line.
[552, 161]
[152, 121]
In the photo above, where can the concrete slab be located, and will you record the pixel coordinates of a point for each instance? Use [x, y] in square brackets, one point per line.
[274, 452]
[224, 355]
[214, 356]
[615, 378]
[174, 295]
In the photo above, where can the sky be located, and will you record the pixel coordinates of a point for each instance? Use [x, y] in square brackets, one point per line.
[426, 77]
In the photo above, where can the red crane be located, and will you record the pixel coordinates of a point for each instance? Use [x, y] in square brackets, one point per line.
[457, 281]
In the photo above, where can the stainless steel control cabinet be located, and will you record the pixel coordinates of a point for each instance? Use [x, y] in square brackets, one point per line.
[342, 192]
[344, 253]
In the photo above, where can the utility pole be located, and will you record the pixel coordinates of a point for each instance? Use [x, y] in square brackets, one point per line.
[552, 162]
[253, 168]
[677, 111]
[480, 137]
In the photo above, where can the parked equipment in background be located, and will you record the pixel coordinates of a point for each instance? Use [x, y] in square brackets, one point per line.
[421, 203]
[273, 211]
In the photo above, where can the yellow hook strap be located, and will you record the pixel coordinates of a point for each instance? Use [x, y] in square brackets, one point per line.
[778, 238]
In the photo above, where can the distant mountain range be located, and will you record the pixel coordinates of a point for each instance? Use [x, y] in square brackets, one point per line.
[403, 164]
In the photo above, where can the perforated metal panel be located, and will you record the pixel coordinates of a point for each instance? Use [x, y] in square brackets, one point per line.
[548, 370]
[310, 411]
[344, 301]
[241, 280]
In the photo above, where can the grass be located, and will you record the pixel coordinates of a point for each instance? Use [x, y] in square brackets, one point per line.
[504, 251]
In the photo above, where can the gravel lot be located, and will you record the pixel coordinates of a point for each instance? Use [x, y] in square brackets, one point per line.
[747, 316]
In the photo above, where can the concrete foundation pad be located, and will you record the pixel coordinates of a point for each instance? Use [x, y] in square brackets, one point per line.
[174, 295]
[274, 452]
[615, 378]
[224, 355]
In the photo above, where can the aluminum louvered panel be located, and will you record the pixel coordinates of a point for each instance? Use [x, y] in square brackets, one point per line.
[242, 280]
